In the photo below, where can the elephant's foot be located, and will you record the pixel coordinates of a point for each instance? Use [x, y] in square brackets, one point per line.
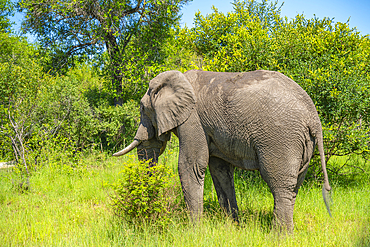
[283, 211]
[193, 191]
[194, 203]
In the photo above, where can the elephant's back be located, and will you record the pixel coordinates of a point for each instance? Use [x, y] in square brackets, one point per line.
[228, 80]
[260, 91]
[260, 108]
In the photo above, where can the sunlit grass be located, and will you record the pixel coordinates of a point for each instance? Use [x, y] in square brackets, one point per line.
[72, 208]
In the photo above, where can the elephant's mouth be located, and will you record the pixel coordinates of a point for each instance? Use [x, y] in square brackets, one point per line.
[151, 149]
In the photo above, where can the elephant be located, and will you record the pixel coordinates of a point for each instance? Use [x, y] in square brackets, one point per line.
[259, 120]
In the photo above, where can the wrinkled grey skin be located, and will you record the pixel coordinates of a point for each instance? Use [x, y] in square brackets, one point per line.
[259, 120]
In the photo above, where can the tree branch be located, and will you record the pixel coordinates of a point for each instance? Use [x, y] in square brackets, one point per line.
[133, 10]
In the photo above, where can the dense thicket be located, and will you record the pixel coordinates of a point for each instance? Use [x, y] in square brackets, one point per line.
[75, 110]
[39, 112]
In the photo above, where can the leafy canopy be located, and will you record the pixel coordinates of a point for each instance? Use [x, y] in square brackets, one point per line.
[6, 10]
[116, 29]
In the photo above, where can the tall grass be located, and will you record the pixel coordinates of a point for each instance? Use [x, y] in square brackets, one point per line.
[72, 207]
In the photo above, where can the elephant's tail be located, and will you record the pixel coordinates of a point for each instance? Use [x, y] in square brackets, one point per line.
[326, 187]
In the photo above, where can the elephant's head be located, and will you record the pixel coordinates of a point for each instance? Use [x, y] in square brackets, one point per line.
[166, 105]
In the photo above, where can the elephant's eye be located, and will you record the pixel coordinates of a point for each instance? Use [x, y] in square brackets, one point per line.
[142, 107]
[144, 110]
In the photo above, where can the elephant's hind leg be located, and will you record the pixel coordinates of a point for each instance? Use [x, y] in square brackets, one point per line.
[284, 185]
[284, 200]
[222, 174]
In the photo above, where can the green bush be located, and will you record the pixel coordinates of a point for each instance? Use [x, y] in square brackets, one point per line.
[145, 194]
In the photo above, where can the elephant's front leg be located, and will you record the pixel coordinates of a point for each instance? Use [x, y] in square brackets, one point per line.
[222, 174]
[193, 161]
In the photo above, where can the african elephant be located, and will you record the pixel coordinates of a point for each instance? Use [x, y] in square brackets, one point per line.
[260, 120]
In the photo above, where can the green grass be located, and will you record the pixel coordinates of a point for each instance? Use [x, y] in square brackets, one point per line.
[71, 207]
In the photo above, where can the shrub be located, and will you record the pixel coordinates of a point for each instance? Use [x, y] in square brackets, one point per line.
[145, 194]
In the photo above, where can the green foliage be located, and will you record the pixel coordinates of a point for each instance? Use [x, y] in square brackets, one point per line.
[117, 125]
[99, 123]
[349, 171]
[124, 35]
[142, 193]
[20, 71]
[72, 108]
[37, 109]
[337, 80]
[328, 59]
[6, 10]
[20, 86]
[219, 34]
[179, 52]
[64, 111]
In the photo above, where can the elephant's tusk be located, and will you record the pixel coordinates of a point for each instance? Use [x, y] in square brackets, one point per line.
[124, 151]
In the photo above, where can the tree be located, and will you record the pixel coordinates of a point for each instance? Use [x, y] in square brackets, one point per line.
[210, 33]
[86, 28]
[6, 10]
[20, 82]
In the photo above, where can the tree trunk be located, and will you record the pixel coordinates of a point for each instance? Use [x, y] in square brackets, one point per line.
[117, 87]
[115, 57]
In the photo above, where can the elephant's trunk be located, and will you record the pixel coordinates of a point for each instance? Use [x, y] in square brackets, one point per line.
[124, 151]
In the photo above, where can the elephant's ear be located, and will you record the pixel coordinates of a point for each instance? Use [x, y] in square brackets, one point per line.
[172, 98]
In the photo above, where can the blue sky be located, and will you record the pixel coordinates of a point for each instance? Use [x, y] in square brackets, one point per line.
[357, 10]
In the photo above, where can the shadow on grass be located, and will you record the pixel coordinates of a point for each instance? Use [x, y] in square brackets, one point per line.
[261, 218]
